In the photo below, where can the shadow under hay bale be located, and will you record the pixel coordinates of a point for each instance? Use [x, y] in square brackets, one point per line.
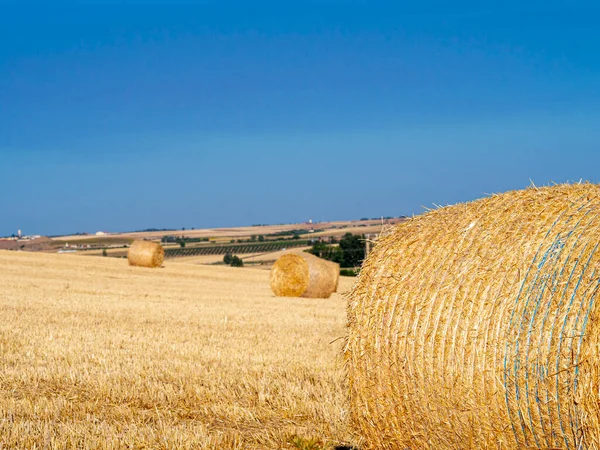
[145, 254]
[476, 326]
[304, 275]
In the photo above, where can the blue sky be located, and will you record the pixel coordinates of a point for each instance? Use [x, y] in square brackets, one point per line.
[128, 115]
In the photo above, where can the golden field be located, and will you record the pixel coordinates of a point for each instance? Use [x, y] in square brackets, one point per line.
[97, 354]
[224, 235]
[266, 259]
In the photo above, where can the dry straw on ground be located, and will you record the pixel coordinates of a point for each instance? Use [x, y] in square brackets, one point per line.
[476, 326]
[146, 254]
[98, 355]
[304, 275]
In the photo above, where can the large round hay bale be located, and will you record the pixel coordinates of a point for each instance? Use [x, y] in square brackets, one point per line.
[477, 326]
[146, 254]
[304, 275]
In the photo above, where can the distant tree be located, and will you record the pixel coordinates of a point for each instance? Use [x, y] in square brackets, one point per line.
[233, 241]
[227, 258]
[319, 249]
[236, 261]
[353, 248]
[261, 238]
[182, 243]
[329, 252]
[349, 272]
[296, 236]
[253, 238]
[104, 252]
[239, 241]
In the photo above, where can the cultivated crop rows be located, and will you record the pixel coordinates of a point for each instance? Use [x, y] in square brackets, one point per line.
[234, 249]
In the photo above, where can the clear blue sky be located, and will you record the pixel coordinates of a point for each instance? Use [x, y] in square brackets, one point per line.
[127, 115]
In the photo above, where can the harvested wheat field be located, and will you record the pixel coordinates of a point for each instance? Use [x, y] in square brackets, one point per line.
[265, 259]
[97, 354]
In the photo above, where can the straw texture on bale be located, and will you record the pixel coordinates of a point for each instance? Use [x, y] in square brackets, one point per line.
[304, 275]
[145, 254]
[476, 326]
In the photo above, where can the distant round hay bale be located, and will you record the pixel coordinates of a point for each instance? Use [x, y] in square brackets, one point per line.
[145, 254]
[304, 275]
[477, 326]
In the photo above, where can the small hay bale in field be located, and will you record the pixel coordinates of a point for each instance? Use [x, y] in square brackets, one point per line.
[145, 254]
[477, 326]
[304, 275]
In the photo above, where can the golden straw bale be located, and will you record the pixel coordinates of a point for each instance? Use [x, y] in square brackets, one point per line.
[476, 326]
[146, 254]
[336, 274]
[304, 275]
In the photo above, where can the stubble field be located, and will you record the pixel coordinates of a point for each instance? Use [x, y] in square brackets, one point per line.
[97, 354]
